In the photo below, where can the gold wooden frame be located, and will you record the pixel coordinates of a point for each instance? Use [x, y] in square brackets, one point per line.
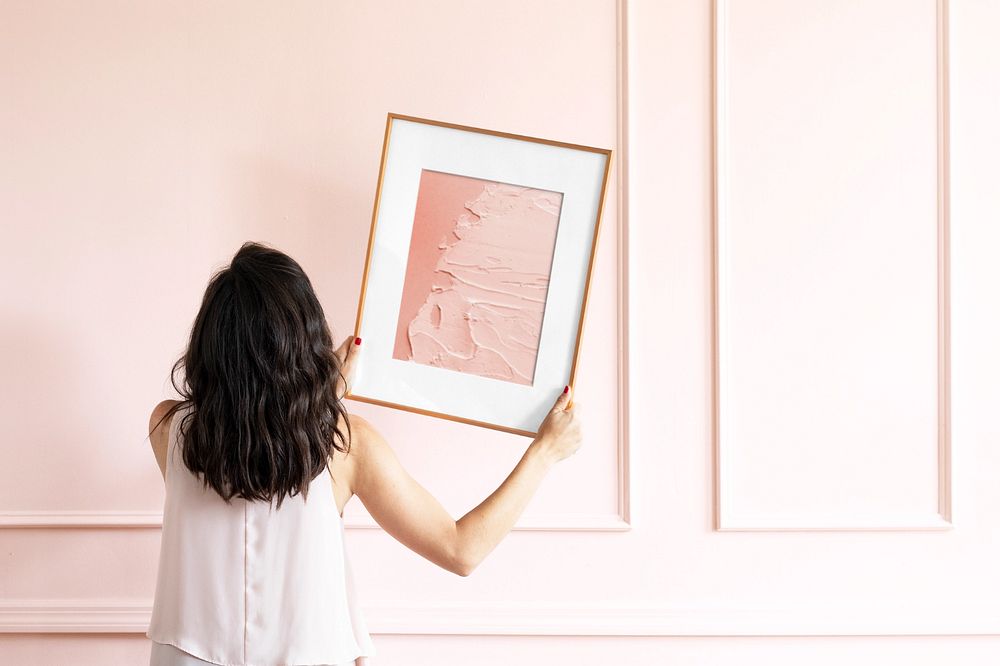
[371, 243]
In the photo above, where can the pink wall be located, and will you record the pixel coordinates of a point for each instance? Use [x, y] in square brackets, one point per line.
[142, 142]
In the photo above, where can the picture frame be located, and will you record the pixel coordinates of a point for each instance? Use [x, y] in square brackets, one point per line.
[477, 273]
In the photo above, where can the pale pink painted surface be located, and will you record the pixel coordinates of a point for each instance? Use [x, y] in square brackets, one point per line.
[830, 219]
[478, 274]
[143, 141]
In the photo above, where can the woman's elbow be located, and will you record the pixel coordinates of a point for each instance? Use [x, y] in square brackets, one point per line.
[462, 569]
[462, 564]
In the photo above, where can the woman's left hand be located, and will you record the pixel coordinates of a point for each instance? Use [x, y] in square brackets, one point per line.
[347, 353]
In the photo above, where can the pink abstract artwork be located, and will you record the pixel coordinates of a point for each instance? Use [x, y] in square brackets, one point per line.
[477, 276]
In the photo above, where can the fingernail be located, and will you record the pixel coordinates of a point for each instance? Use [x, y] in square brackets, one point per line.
[566, 390]
[357, 341]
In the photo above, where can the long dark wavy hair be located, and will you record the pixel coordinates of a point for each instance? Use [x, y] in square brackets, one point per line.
[261, 373]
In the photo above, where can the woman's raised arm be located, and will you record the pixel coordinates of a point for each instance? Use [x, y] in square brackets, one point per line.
[408, 512]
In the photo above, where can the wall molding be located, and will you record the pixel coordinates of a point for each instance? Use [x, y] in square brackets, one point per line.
[154, 519]
[725, 518]
[624, 265]
[618, 522]
[82, 616]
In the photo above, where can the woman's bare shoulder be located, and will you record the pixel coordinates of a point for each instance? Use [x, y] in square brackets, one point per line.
[345, 463]
[158, 425]
[158, 429]
[360, 434]
[360, 425]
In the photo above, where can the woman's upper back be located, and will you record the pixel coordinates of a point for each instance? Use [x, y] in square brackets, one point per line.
[248, 583]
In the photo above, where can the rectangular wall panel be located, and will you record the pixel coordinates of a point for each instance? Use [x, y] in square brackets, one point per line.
[831, 289]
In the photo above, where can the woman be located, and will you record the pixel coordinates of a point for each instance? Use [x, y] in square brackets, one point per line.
[259, 459]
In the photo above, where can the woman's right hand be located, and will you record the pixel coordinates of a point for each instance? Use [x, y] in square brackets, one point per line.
[559, 435]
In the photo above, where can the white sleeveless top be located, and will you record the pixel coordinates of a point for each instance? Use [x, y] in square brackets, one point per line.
[246, 584]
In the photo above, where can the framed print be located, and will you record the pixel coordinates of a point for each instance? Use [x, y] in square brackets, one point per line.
[479, 261]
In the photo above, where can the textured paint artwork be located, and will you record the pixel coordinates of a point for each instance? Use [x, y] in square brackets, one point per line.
[477, 276]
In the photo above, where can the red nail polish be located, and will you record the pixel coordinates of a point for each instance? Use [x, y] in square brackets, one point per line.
[357, 341]
[566, 390]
